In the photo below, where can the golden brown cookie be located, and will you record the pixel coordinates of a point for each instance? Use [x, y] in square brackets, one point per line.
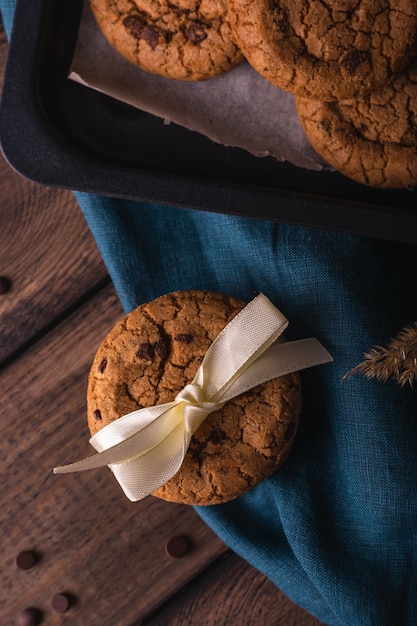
[372, 140]
[326, 50]
[180, 39]
[152, 354]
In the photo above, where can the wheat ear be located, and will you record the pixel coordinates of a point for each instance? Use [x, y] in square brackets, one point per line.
[397, 360]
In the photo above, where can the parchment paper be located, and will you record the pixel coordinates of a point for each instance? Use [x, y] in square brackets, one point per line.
[239, 108]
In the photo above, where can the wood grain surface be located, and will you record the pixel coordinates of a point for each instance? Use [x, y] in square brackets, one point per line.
[107, 554]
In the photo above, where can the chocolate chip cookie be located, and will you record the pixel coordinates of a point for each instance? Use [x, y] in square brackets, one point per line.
[180, 39]
[372, 140]
[152, 354]
[326, 50]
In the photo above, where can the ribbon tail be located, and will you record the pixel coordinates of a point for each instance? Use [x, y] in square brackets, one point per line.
[141, 476]
[90, 462]
[138, 442]
[278, 360]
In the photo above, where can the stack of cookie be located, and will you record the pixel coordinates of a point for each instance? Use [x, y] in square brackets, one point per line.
[352, 67]
[152, 353]
[351, 64]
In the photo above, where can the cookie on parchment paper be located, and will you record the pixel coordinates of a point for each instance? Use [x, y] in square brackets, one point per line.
[372, 140]
[152, 354]
[326, 50]
[179, 39]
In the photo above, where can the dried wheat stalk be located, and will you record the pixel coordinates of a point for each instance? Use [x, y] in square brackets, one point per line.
[396, 360]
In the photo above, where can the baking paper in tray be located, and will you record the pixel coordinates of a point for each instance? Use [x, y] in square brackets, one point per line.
[239, 108]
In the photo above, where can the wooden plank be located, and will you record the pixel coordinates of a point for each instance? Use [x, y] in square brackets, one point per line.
[232, 592]
[48, 253]
[46, 250]
[92, 542]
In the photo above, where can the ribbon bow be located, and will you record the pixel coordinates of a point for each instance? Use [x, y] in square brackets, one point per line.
[145, 448]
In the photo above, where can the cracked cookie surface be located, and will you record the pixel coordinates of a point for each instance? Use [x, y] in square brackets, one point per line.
[152, 354]
[328, 50]
[180, 39]
[372, 140]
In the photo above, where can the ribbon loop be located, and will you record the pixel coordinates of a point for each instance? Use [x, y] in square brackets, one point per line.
[145, 448]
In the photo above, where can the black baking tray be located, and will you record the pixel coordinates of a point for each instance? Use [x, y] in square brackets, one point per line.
[62, 134]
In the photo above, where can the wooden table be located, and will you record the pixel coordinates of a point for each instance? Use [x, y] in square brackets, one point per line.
[107, 554]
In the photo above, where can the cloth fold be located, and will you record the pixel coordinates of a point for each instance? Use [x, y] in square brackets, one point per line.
[334, 528]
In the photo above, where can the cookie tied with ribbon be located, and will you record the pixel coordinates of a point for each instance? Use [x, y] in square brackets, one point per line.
[195, 397]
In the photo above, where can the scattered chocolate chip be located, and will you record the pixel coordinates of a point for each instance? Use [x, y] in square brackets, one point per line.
[60, 602]
[102, 365]
[30, 617]
[184, 338]
[162, 347]
[5, 285]
[97, 414]
[195, 32]
[351, 60]
[25, 559]
[145, 351]
[177, 546]
[151, 36]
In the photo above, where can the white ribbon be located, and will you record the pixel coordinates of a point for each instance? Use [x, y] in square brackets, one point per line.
[145, 448]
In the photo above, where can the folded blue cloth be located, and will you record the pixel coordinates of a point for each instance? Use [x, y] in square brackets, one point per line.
[335, 528]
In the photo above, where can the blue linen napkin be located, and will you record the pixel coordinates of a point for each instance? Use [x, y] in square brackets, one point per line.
[335, 528]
